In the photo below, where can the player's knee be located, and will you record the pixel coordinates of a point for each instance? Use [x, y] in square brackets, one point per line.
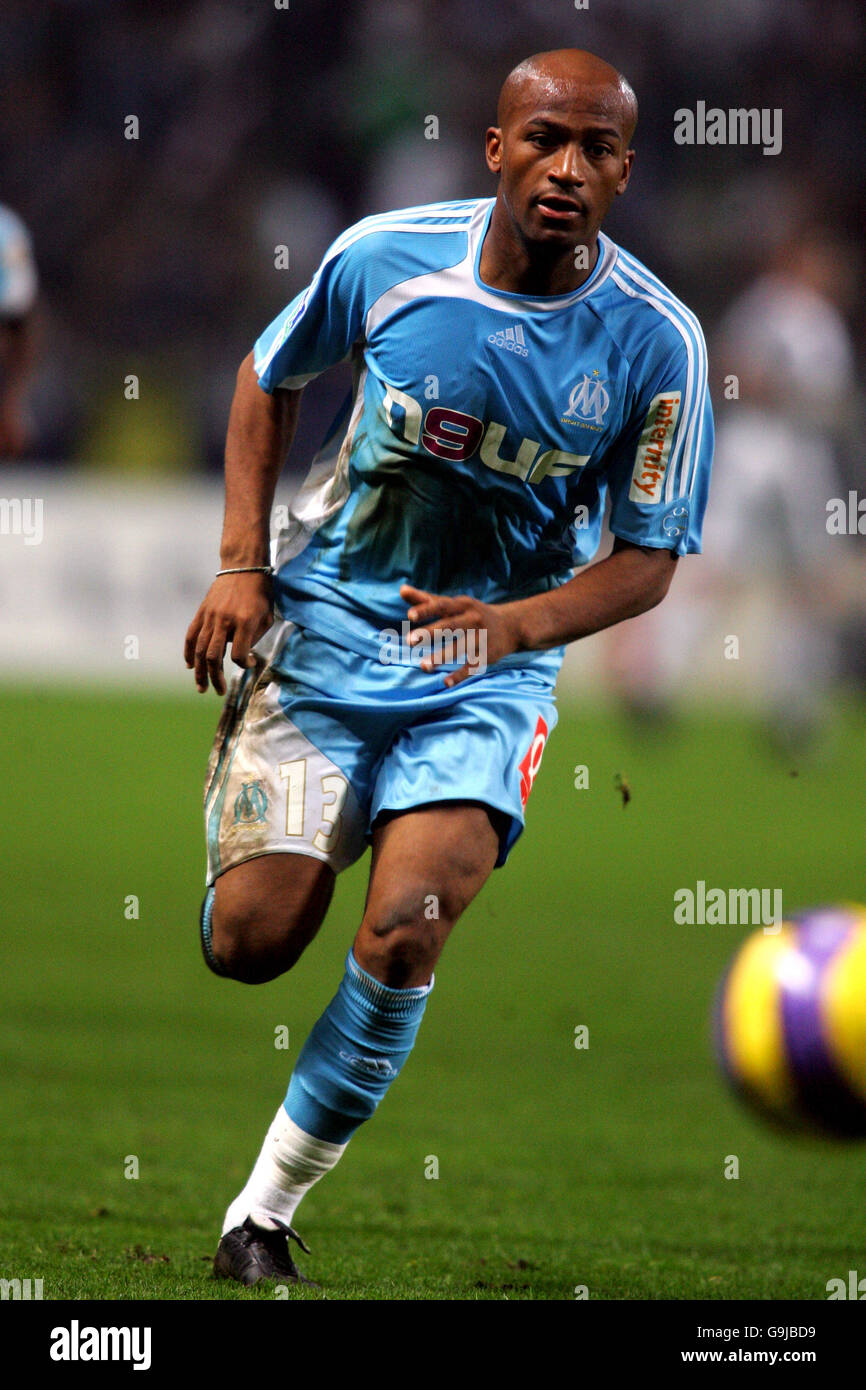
[400, 955]
[250, 945]
[258, 918]
[404, 938]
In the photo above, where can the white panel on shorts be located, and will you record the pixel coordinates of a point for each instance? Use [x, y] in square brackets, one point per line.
[270, 791]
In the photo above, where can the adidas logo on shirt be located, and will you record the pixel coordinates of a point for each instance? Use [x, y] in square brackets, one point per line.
[511, 339]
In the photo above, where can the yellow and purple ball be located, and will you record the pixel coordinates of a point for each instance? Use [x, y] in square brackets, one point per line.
[790, 1022]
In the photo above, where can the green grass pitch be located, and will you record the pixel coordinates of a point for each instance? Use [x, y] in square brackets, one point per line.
[600, 1167]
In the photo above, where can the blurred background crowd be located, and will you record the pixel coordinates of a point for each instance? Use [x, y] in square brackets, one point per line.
[262, 125]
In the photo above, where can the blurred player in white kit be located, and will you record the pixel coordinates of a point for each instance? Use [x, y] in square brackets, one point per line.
[788, 346]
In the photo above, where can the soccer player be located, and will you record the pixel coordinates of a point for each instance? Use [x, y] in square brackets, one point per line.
[788, 423]
[512, 367]
[18, 286]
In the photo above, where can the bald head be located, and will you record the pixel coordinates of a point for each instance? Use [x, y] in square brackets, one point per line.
[570, 75]
[561, 152]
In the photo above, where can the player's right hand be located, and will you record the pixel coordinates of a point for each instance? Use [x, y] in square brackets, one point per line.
[237, 608]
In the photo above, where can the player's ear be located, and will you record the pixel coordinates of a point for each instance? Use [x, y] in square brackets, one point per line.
[493, 149]
[627, 163]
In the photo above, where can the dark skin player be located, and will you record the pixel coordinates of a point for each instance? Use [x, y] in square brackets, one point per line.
[561, 150]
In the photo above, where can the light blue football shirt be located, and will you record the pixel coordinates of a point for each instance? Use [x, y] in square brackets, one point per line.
[484, 428]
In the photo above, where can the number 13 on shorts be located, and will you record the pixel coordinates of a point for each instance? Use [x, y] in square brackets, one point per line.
[334, 789]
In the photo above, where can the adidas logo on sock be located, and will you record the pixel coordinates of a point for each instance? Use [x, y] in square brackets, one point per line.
[511, 339]
[377, 1066]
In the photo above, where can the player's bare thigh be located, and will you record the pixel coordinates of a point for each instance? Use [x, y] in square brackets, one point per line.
[266, 912]
[428, 864]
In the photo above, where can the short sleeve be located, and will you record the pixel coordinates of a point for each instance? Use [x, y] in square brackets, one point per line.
[321, 324]
[659, 470]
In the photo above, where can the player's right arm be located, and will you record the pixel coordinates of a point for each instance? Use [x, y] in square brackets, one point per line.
[238, 608]
[318, 329]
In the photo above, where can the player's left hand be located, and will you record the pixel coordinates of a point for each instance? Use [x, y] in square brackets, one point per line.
[482, 632]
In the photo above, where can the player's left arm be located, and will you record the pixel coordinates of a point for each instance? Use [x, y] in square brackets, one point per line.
[658, 476]
[631, 580]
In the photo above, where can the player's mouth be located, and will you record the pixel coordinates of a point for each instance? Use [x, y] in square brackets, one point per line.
[556, 206]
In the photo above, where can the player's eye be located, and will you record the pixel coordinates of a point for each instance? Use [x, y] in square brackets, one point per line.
[599, 151]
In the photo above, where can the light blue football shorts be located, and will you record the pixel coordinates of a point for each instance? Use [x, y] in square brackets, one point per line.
[316, 741]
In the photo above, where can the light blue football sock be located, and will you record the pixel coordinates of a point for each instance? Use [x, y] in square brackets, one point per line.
[353, 1054]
